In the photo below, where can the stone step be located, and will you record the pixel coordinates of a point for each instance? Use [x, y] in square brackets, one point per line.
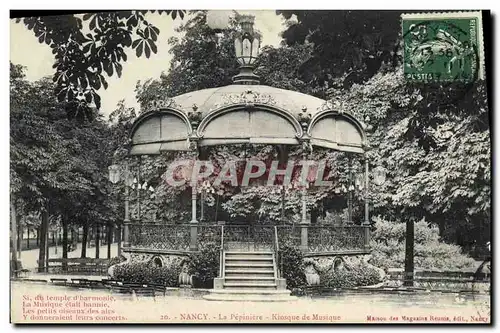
[249, 258]
[249, 252]
[249, 262]
[249, 280]
[248, 265]
[231, 274]
[249, 285]
[234, 297]
[249, 270]
[249, 291]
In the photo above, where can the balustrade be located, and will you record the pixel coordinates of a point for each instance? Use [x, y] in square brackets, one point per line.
[321, 239]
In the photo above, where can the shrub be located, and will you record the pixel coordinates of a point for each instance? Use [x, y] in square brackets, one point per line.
[431, 253]
[145, 273]
[357, 276]
[293, 267]
[204, 265]
[116, 260]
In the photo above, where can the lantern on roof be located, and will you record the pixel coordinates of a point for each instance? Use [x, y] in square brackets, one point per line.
[246, 47]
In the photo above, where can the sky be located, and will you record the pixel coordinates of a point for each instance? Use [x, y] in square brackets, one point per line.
[38, 59]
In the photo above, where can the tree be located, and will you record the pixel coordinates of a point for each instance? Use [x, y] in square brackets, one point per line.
[431, 252]
[437, 154]
[279, 67]
[351, 45]
[83, 59]
[58, 166]
[201, 60]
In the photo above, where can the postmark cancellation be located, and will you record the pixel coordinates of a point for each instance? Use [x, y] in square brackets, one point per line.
[445, 46]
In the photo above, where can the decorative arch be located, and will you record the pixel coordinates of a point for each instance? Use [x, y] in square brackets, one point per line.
[157, 261]
[337, 130]
[160, 130]
[249, 123]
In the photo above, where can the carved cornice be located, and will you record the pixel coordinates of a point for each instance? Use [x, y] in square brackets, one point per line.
[161, 103]
[332, 104]
[340, 107]
[248, 98]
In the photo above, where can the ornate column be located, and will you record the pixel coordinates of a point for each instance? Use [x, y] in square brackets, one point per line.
[126, 221]
[193, 244]
[138, 189]
[350, 189]
[366, 223]
[194, 119]
[304, 120]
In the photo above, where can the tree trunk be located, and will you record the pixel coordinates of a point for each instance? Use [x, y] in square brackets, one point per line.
[91, 235]
[65, 243]
[69, 236]
[119, 239]
[74, 237]
[97, 239]
[28, 239]
[38, 235]
[13, 234]
[42, 236]
[54, 241]
[109, 235]
[84, 239]
[314, 216]
[19, 235]
[47, 252]
[409, 254]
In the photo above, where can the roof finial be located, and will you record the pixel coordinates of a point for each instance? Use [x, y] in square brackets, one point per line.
[246, 45]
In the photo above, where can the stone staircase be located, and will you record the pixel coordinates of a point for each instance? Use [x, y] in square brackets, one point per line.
[249, 276]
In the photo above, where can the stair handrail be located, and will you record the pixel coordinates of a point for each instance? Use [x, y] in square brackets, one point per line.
[221, 256]
[277, 251]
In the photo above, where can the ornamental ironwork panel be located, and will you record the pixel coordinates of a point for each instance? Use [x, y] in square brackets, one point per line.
[209, 234]
[288, 235]
[248, 237]
[263, 237]
[335, 238]
[160, 236]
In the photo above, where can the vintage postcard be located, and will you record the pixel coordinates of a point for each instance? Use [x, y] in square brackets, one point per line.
[263, 166]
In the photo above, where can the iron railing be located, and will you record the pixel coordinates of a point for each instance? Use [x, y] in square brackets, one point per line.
[329, 238]
[209, 234]
[221, 256]
[159, 236]
[288, 235]
[320, 238]
[248, 237]
[277, 254]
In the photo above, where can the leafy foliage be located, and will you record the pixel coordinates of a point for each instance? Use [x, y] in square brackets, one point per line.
[204, 264]
[89, 48]
[350, 45]
[145, 273]
[200, 60]
[293, 267]
[388, 243]
[356, 276]
[57, 165]
[437, 154]
[116, 260]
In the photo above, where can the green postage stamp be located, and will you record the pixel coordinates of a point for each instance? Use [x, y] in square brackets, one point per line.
[443, 46]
